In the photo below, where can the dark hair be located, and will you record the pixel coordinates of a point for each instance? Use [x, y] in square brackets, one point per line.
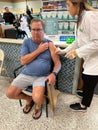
[28, 12]
[6, 7]
[83, 4]
[82, 8]
[38, 20]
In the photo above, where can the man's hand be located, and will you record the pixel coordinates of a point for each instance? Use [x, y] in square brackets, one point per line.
[43, 47]
[51, 79]
[31, 56]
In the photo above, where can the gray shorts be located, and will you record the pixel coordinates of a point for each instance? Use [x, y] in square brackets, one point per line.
[23, 81]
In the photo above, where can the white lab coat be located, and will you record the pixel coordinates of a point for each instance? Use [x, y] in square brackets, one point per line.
[24, 25]
[86, 42]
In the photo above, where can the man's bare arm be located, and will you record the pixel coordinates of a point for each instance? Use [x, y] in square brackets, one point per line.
[30, 57]
[57, 65]
[55, 58]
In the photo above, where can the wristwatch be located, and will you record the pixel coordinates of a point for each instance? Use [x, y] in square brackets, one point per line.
[54, 73]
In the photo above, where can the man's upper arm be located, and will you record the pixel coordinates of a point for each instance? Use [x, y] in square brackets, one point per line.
[24, 49]
[55, 57]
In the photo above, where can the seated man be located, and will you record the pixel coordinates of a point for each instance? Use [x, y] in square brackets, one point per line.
[37, 54]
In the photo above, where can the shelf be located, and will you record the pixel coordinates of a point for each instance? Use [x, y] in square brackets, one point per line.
[54, 10]
[66, 31]
[65, 20]
[52, 5]
[52, 0]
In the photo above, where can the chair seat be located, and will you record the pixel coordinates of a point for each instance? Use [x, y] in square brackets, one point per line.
[29, 89]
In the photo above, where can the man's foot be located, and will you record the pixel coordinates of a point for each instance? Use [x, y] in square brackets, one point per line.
[77, 107]
[28, 107]
[79, 93]
[37, 113]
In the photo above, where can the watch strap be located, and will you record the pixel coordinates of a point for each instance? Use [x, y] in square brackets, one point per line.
[54, 73]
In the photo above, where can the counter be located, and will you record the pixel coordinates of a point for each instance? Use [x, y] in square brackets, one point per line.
[13, 41]
[67, 77]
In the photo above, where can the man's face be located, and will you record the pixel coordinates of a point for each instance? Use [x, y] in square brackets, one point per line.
[7, 9]
[37, 32]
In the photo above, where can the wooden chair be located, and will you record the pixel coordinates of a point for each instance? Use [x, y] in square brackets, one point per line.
[1, 60]
[2, 64]
[29, 88]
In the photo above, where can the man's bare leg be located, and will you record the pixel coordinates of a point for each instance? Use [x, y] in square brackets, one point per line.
[16, 93]
[38, 97]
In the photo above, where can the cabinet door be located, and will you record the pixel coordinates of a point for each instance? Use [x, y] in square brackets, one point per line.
[51, 26]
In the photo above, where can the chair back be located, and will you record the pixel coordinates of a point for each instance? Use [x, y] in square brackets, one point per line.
[1, 59]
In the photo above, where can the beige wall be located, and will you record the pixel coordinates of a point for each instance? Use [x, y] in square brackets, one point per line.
[15, 0]
[20, 6]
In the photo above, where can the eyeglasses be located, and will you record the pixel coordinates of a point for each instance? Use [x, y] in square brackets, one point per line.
[37, 30]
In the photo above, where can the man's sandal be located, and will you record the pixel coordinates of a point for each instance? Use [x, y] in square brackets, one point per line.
[37, 113]
[28, 107]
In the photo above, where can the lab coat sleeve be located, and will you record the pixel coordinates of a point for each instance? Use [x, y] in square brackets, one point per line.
[70, 47]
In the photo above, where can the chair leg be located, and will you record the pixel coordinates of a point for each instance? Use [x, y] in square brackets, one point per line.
[20, 102]
[46, 94]
[47, 107]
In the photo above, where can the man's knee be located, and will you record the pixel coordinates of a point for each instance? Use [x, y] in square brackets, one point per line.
[9, 94]
[36, 97]
[38, 94]
[13, 92]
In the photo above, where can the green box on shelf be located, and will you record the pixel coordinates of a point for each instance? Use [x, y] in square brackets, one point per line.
[67, 39]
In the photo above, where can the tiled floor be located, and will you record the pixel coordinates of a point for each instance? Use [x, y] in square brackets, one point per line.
[12, 117]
